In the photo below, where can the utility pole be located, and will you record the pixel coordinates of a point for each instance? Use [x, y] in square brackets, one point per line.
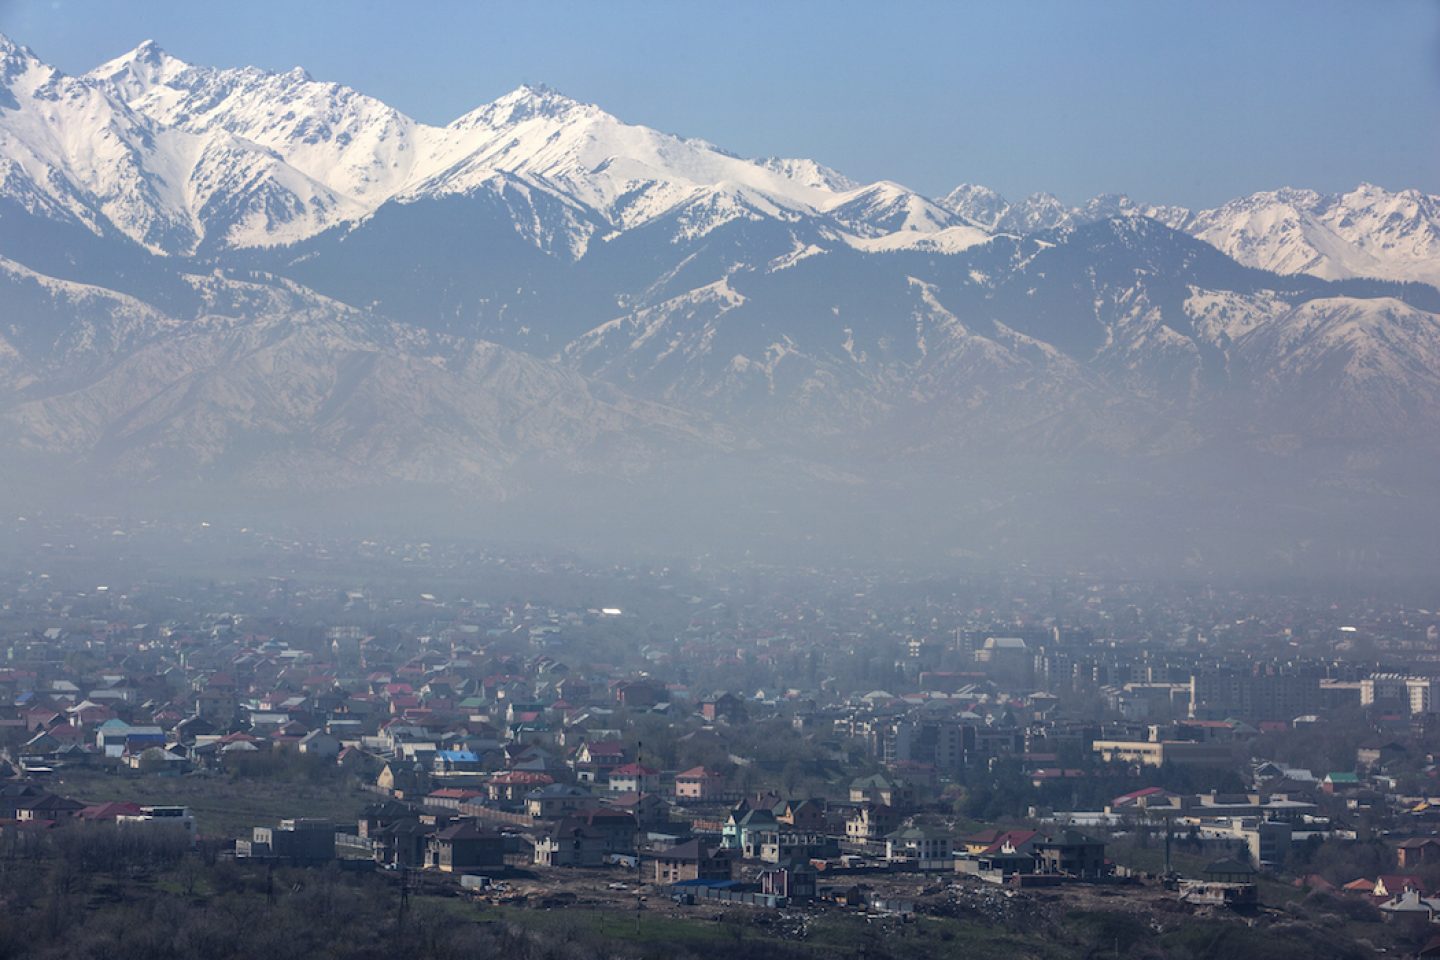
[404, 898]
[1167, 846]
[639, 875]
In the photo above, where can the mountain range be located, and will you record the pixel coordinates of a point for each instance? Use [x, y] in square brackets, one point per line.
[233, 276]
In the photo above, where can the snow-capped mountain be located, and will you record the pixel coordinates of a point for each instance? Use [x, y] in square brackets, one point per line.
[70, 150]
[1367, 232]
[231, 272]
[809, 173]
[273, 159]
[369, 153]
[357, 146]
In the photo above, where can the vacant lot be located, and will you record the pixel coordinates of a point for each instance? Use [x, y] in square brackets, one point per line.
[223, 807]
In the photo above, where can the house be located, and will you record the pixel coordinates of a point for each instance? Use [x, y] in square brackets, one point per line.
[512, 786]
[725, 707]
[699, 785]
[165, 817]
[465, 845]
[649, 810]
[692, 860]
[1207, 893]
[377, 816]
[999, 866]
[46, 807]
[806, 816]
[871, 821]
[794, 880]
[1008, 852]
[353, 759]
[52, 741]
[110, 737]
[1071, 853]
[633, 778]
[785, 845]
[402, 780]
[107, 812]
[879, 788]
[1411, 904]
[556, 800]
[976, 843]
[639, 694]
[296, 841]
[453, 763]
[164, 762]
[917, 843]
[318, 743]
[616, 826]
[745, 827]
[193, 727]
[402, 843]
[1340, 782]
[594, 760]
[571, 843]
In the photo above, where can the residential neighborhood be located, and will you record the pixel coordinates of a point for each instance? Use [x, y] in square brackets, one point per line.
[823, 758]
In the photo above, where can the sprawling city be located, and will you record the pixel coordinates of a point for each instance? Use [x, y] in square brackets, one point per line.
[428, 743]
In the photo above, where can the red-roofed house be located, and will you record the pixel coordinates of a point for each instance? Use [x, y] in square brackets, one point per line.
[699, 785]
[594, 761]
[511, 786]
[108, 812]
[633, 778]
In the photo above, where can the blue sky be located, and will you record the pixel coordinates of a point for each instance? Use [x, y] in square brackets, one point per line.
[1170, 102]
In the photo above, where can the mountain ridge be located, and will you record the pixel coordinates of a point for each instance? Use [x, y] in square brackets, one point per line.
[233, 273]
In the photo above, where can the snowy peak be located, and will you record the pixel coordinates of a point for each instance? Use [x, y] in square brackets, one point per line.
[134, 74]
[18, 64]
[70, 151]
[979, 205]
[983, 206]
[886, 207]
[1367, 232]
[1044, 211]
[628, 174]
[809, 173]
[354, 145]
[354, 154]
[10, 50]
[526, 102]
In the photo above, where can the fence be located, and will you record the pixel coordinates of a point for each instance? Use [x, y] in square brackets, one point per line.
[349, 846]
[481, 812]
[698, 892]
